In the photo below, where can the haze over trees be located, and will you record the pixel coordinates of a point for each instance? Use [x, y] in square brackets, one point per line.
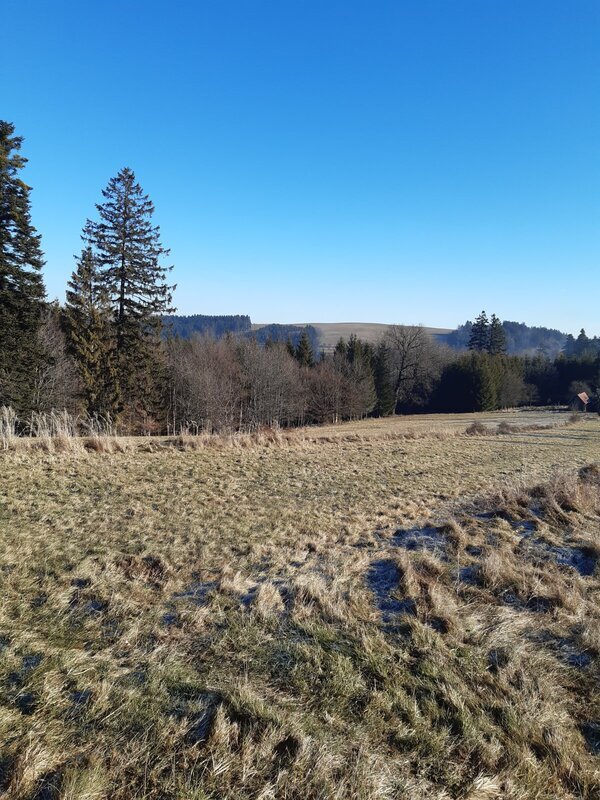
[116, 352]
[521, 339]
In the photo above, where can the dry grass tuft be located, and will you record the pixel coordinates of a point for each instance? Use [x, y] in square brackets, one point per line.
[476, 429]
[590, 474]
[268, 601]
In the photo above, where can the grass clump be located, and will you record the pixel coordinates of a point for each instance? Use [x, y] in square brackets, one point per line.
[476, 429]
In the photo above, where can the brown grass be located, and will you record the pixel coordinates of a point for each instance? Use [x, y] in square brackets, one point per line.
[59, 433]
[243, 620]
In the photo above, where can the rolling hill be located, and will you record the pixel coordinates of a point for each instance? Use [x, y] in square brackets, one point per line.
[329, 333]
[521, 339]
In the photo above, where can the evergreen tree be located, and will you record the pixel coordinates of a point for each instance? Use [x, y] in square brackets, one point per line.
[354, 362]
[304, 352]
[483, 387]
[289, 346]
[497, 338]
[582, 343]
[21, 286]
[354, 350]
[382, 377]
[128, 254]
[341, 348]
[468, 384]
[91, 336]
[570, 346]
[480, 334]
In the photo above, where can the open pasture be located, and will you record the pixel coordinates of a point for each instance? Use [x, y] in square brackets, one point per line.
[386, 609]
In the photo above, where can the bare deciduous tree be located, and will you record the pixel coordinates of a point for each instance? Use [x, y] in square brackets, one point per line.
[230, 385]
[205, 386]
[327, 387]
[56, 381]
[416, 363]
[273, 391]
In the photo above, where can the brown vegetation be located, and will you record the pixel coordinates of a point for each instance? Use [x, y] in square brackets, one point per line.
[354, 616]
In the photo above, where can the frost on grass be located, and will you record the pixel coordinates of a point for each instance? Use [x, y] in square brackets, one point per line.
[383, 579]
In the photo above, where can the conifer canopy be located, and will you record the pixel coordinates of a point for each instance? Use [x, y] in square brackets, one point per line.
[128, 253]
[22, 291]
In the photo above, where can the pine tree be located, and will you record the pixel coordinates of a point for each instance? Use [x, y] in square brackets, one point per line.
[484, 389]
[497, 337]
[382, 376]
[479, 339]
[304, 351]
[128, 254]
[91, 337]
[569, 346]
[21, 286]
[354, 349]
[582, 343]
[341, 348]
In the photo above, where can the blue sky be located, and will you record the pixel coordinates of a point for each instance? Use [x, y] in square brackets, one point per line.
[325, 160]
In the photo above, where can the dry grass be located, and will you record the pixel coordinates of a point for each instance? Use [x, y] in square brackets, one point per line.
[61, 432]
[242, 619]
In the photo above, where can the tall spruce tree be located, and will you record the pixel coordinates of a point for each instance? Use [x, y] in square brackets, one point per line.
[497, 337]
[304, 351]
[128, 254]
[382, 377]
[22, 291]
[484, 390]
[341, 348]
[569, 347]
[480, 334]
[290, 349]
[582, 343]
[90, 333]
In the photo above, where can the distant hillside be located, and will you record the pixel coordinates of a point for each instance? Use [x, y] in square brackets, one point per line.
[201, 324]
[193, 325]
[281, 333]
[329, 333]
[521, 339]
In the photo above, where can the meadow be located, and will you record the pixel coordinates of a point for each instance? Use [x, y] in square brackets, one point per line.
[383, 609]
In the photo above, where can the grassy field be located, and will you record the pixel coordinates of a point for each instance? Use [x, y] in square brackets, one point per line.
[386, 609]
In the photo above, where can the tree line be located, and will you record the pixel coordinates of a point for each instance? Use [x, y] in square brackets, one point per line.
[104, 353]
[521, 339]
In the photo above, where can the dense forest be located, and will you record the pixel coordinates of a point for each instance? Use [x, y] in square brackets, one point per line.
[194, 325]
[188, 326]
[116, 353]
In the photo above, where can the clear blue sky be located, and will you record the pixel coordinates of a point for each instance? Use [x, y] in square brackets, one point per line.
[326, 160]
